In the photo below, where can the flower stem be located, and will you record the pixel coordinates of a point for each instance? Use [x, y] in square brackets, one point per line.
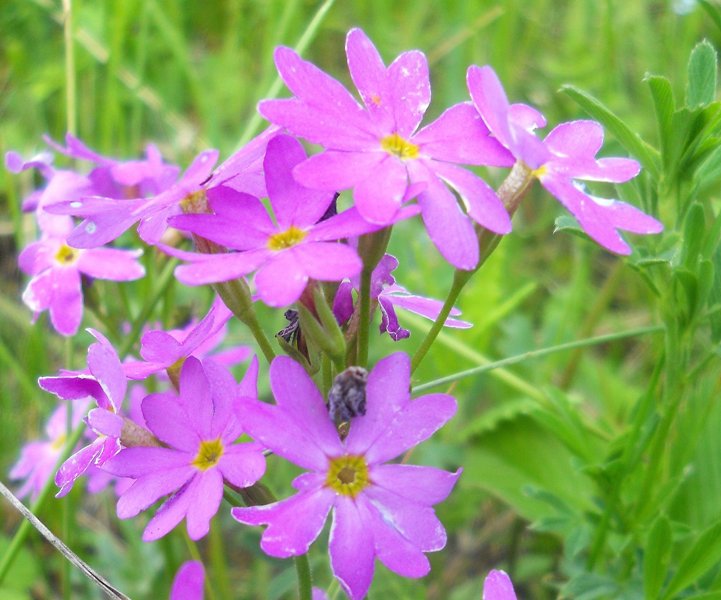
[70, 98]
[365, 317]
[460, 278]
[302, 569]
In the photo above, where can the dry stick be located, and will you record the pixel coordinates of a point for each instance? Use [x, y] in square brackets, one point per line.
[89, 572]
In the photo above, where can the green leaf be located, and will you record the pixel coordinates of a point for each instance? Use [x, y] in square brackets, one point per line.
[656, 556]
[713, 11]
[694, 229]
[701, 556]
[664, 105]
[701, 88]
[631, 141]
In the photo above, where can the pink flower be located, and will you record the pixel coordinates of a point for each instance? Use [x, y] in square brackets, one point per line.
[568, 153]
[189, 581]
[376, 150]
[56, 271]
[285, 255]
[379, 510]
[199, 429]
[106, 384]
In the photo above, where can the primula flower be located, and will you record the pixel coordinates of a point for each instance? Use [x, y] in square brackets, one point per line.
[566, 154]
[285, 255]
[107, 218]
[189, 581]
[388, 294]
[162, 350]
[376, 150]
[199, 429]
[498, 586]
[38, 459]
[379, 510]
[57, 269]
[105, 382]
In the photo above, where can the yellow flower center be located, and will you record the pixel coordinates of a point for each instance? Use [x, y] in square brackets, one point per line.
[396, 145]
[208, 455]
[539, 172]
[59, 442]
[195, 202]
[66, 255]
[286, 239]
[348, 475]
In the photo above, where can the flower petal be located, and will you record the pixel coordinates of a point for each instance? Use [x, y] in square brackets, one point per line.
[242, 464]
[111, 263]
[335, 170]
[498, 586]
[172, 512]
[409, 88]
[189, 582]
[577, 139]
[168, 420]
[139, 461]
[66, 305]
[491, 101]
[281, 280]
[146, 490]
[424, 485]
[220, 267]
[207, 496]
[379, 196]
[328, 261]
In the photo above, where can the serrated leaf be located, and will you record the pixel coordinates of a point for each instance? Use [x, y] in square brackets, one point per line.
[701, 88]
[656, 556]
[701, 556]
[631, 141]
[490, 419]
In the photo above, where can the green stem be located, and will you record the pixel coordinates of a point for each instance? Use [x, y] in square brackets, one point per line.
[70, 98]
[517, 358]
[365, 317]
[218, 561]
[460, 278]
[302, 569]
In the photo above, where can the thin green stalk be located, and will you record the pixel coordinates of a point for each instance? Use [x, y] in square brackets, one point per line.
[70, 98]
[364, 317]
[302, 569]
[460, 278]
[277, 84]
[195, 555]
[517, 358]
[218, 561]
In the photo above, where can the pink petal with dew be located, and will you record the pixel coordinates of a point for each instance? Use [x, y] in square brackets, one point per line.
[526, 117]
[172, 512]
[242, 464]
[409, 89]
[416, 522]
[72, 387]
[189, 582]
[298, 397]
[66, 305]
[201, 167]
[335, 170]
[167, 419]
[213, 268]
[424, 485]
[425, 307]
[615, 170]
[101, 229]
[387, 392]
[328, 261]
[483, 204]
[460, 136]
[111, 263]
[347, 132]
[293, 524]
[293, 204]
[449, 228]
[351, 548]
[208, 494]
[95, 453]
[276, 430]
[498, 586]
[39, 292]
[379, 196]
[368, 73]
[419, 420]
[575, 139]
[391, 548]
[491, 101]
[138, 462]
[281, 280]
[313, 86]
[591, 216]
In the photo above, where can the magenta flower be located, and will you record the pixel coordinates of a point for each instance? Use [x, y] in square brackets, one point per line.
[38, 459]
[379, 510]
[107, 218]
[189, 581]
[376, 150]
[105, 382]
[568, 153]
[498, 586]
[388, 294]
[285, 255]
[56, 271]
[199, 429]
[162, 350]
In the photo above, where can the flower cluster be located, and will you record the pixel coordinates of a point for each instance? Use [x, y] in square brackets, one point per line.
[312, 231]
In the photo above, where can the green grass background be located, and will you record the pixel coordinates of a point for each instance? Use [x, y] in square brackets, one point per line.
[187, 75]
